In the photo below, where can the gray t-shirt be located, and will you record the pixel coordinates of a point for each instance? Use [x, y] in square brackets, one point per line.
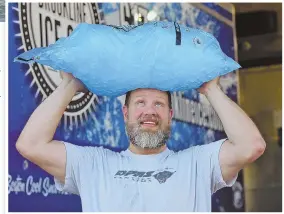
[168, 181]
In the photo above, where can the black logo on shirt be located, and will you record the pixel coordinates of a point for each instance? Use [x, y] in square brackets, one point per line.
[140, 176]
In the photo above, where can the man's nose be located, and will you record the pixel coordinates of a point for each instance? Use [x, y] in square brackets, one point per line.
[150, 110]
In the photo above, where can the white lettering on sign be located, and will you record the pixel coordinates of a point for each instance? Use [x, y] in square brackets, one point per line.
[32, 186]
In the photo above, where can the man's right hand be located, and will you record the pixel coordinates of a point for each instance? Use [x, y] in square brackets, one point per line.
[68, 77]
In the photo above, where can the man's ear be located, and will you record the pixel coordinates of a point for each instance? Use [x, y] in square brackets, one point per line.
[171, 115]
[125, 112]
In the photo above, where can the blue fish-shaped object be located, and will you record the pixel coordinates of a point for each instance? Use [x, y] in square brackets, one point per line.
[111, 60]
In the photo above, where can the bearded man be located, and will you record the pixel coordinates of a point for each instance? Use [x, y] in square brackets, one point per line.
[147, 176]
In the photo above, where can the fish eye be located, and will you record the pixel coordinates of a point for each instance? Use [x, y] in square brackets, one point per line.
[197, 41]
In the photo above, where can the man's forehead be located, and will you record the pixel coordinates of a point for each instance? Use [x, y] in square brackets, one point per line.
[149, 91]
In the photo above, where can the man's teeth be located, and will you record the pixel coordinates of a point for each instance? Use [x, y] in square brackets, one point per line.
[149, 123]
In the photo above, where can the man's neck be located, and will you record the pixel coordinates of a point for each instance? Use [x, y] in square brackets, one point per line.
[145, 151]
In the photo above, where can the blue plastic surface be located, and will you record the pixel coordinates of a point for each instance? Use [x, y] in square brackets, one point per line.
[113, 60]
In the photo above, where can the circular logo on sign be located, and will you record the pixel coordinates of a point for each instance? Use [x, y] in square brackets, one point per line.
[42, 24]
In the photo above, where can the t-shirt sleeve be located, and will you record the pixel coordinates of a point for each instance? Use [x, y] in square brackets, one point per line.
[79, 159]
[208, 155]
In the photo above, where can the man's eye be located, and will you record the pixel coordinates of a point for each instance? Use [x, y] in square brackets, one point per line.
[158, 104]
[140, 102]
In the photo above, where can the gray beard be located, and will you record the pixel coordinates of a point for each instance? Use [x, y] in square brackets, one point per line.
[147, 139]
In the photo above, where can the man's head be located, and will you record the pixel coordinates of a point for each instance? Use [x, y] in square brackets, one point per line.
[148, 114]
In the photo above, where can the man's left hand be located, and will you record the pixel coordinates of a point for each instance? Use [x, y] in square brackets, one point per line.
[205, 87]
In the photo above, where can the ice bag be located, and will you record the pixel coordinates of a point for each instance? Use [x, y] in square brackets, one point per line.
[111, 60]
